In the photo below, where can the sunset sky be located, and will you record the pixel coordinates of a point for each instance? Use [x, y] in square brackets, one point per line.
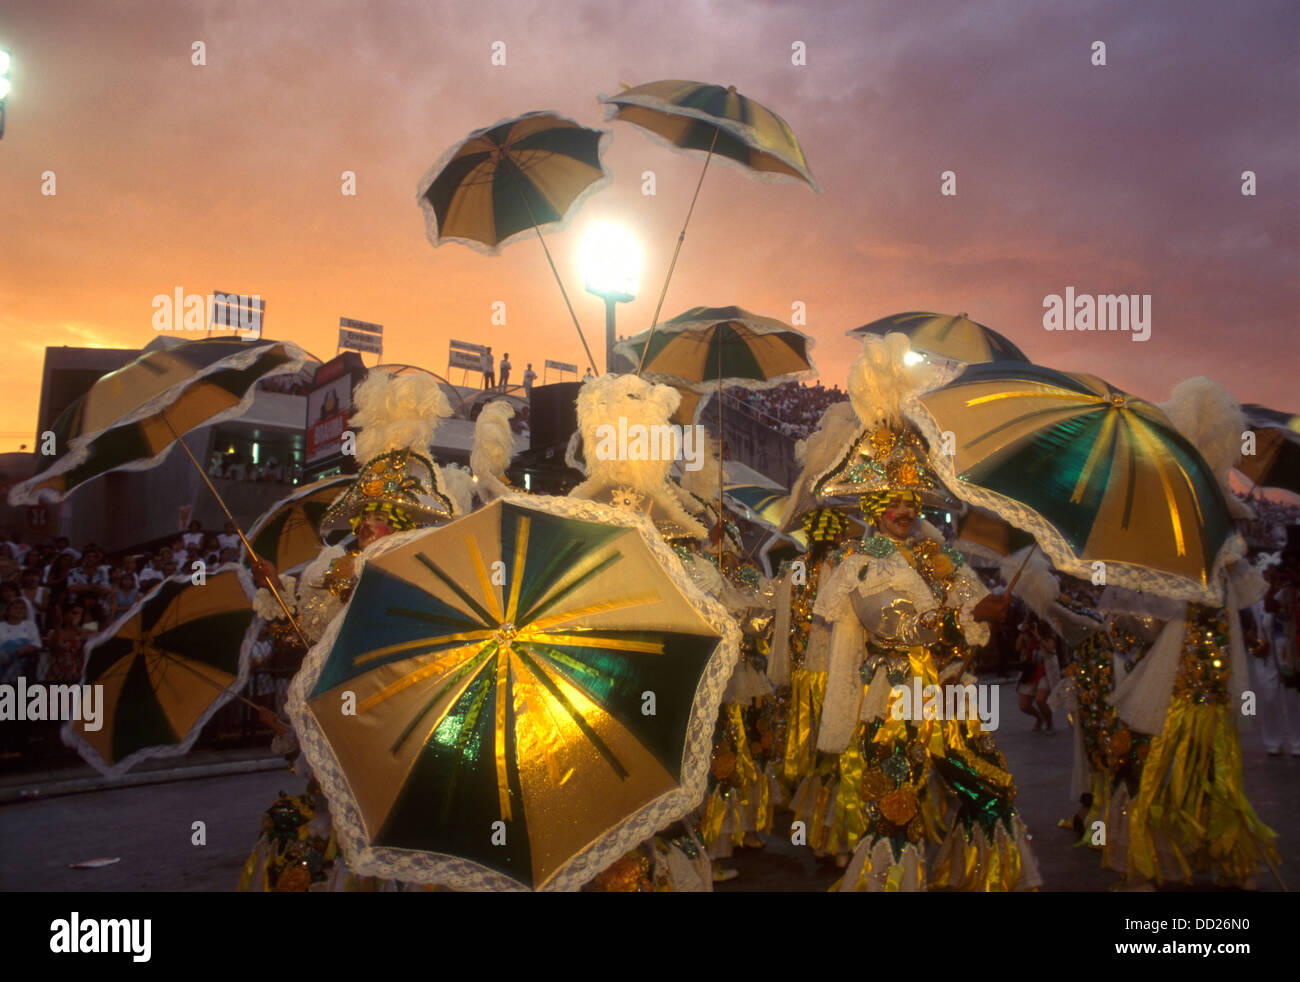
[1118, 179]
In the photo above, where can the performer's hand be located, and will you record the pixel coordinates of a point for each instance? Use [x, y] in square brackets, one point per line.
[993, 608]
[264, 573]
[271, 720]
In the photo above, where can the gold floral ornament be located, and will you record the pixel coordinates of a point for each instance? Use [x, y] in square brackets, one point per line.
[876, 783]
[401, 484]
[899, 807]
[887, 459]
[1120, 743]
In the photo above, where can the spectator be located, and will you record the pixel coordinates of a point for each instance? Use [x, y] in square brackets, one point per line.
[229, 539]
[530, 377]
[20, 643]
[67, 644]
[489, 375]
[210, 550]
[194, 537]
[130, 572]
[123, 594]
[61, 545]
[34, 595]
[505, 369]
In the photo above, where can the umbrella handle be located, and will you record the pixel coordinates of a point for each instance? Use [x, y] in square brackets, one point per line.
[663, 294]
[242, 538]
[1016, 579]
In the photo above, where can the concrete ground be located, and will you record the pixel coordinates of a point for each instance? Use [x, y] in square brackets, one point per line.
[148, 827]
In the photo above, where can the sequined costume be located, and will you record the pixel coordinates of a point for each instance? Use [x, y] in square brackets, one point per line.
[398, 488]
[903, 619]
[740, 801]
[1190, 813]
[1108, 754]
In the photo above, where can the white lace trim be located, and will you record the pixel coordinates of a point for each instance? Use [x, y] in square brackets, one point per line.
[463, 874]
[72, 738]
[78, 450]
[1054, 544]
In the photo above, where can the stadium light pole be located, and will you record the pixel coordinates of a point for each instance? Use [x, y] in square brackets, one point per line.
[610, 259]
[4, 88]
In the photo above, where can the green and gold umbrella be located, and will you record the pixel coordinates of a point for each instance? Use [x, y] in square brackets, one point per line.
[763, 506]
[288, 533]
[1095, 475]
[166, 667]
[515, 176]
[705, 347]
[956, 338]
[130, 418]
[718, 121]
[514, 699]
[1276, 460]
[715, 120]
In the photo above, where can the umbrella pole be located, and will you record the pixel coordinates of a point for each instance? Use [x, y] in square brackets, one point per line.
[554, 272]
[1025, 562]
[722, 527]
[212, 682]
[242, 538]
[663, 294]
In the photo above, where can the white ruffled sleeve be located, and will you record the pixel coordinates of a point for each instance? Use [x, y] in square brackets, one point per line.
[967, 591]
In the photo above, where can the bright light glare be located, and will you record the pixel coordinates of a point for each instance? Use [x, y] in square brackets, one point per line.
[913, 358]
[610, 259]
[4, 62]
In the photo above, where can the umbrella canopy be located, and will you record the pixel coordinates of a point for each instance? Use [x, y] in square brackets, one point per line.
[535, 691]
[698, 116]
[119, 423]
[1093, 473]
[166, 667]
[758, 504]
[517, 175]
[707, 345]
[956, 338]
[1276, 460]
[509, 178]
[288, 533]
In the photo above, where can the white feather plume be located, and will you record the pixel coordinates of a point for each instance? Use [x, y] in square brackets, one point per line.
[494, 446]
[397, 412]
[1037, 586]
[881, 377]
[1210, 417]
[458, 485]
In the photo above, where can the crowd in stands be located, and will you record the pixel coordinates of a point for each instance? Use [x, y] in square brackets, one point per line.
[234, 467]
[1267, 530]
[55, 597]
[792, 408]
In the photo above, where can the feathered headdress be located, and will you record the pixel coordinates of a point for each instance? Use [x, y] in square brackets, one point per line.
[396, 416]
[494, 446]
[623, 421]
[1211, 419]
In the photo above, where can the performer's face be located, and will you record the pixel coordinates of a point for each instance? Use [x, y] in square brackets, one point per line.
[898, 518]
[374, 525]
